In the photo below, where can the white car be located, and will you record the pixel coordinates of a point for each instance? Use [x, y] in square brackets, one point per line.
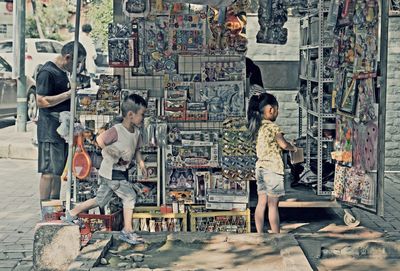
[8, 91]
[37, 52]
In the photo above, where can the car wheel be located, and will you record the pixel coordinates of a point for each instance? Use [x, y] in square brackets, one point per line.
[32, 109]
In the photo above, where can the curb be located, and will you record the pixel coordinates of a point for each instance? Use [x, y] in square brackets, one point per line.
[291, 254]
[23, 151]
[379, 249]
[18, 145]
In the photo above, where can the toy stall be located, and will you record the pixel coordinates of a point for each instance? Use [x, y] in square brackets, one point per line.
[188, 62]
[342, 105]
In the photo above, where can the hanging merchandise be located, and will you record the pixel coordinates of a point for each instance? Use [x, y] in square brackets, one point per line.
[81, 163]
[354, 95]
[136, 8]
[217, 3]
[353, 185]
[226, 30]
[343, 144]
[223, 99]
[366, 32]
[123, 45]
[187, 31]
[108, 95]
[367, 110]
[272, 15]
[365, 145]
[369, 190]
[349, 96]
[340, 180]
[346, 12]
[157, 52]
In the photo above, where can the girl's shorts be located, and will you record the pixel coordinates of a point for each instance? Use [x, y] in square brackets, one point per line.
[269, 183]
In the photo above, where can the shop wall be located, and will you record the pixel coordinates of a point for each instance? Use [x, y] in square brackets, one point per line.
[275, 61]
[288, 112]
[393, 97]
[273, 52]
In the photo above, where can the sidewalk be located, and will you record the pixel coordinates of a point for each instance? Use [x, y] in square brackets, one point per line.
[390, 223]
[17, 145]
[20, 208]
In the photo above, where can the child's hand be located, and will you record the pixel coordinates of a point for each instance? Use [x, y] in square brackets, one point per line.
[143, 169]
[126, 155]
[294, 145]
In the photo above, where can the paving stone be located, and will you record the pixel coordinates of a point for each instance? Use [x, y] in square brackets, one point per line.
[11, 239]
[55, 246]
[12, 247]
[23, 267]
[15, 255]
[8, 263]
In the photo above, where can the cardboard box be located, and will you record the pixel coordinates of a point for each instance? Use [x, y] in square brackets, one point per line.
[297, 157]
[225, 197]
[226, 206]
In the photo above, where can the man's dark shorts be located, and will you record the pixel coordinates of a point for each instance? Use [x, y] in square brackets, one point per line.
[52, 157]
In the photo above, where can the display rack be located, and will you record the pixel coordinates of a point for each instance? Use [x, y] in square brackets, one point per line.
[356, 101]
[314, 49]
[192, 59]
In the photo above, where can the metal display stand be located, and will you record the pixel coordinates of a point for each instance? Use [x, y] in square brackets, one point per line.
[315, 114]
[324, 199]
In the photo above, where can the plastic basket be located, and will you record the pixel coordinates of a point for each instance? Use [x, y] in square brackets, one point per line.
[97, 222]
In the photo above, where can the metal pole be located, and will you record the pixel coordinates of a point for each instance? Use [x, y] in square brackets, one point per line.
[19, 63]
[382, 106]
[72, 108]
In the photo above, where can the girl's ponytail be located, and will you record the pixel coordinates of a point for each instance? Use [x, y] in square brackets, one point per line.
[253, 115]
[256, 109]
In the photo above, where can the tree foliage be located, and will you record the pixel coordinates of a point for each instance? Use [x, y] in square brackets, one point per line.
[100, 15]
[53, 16]
[30, 28]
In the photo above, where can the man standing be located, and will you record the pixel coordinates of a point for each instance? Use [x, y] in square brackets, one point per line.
[88, 43]
[53, 97]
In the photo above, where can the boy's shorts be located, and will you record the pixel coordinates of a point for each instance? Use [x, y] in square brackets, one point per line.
[270, 183]
[52, 157]
[122, 188]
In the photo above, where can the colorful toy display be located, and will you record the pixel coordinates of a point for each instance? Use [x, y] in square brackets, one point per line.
[355, 63]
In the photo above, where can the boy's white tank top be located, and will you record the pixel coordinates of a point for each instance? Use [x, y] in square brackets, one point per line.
[127, 142]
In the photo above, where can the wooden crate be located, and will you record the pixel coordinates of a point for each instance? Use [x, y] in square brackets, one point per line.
[224, 217]
[153, 213]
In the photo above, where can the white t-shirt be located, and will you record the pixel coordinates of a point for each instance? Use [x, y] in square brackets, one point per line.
[125, 142]
[91, 54]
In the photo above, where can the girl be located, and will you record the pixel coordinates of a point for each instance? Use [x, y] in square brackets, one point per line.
[262, 113]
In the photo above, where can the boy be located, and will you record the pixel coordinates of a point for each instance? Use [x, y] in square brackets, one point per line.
[120, 144]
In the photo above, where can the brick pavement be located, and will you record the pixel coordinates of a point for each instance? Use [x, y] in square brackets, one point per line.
[19, 213]
[391, 220]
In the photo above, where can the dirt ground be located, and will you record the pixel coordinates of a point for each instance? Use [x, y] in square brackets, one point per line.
[211, 254]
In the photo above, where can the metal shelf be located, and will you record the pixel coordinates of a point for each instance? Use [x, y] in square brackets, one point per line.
[323, 139]
[314, 13]
[311, 47]
[315, 80]
[316, 114]
[321, 115]
[311, 82]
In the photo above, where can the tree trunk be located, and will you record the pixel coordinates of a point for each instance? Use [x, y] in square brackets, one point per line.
[38, 26]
